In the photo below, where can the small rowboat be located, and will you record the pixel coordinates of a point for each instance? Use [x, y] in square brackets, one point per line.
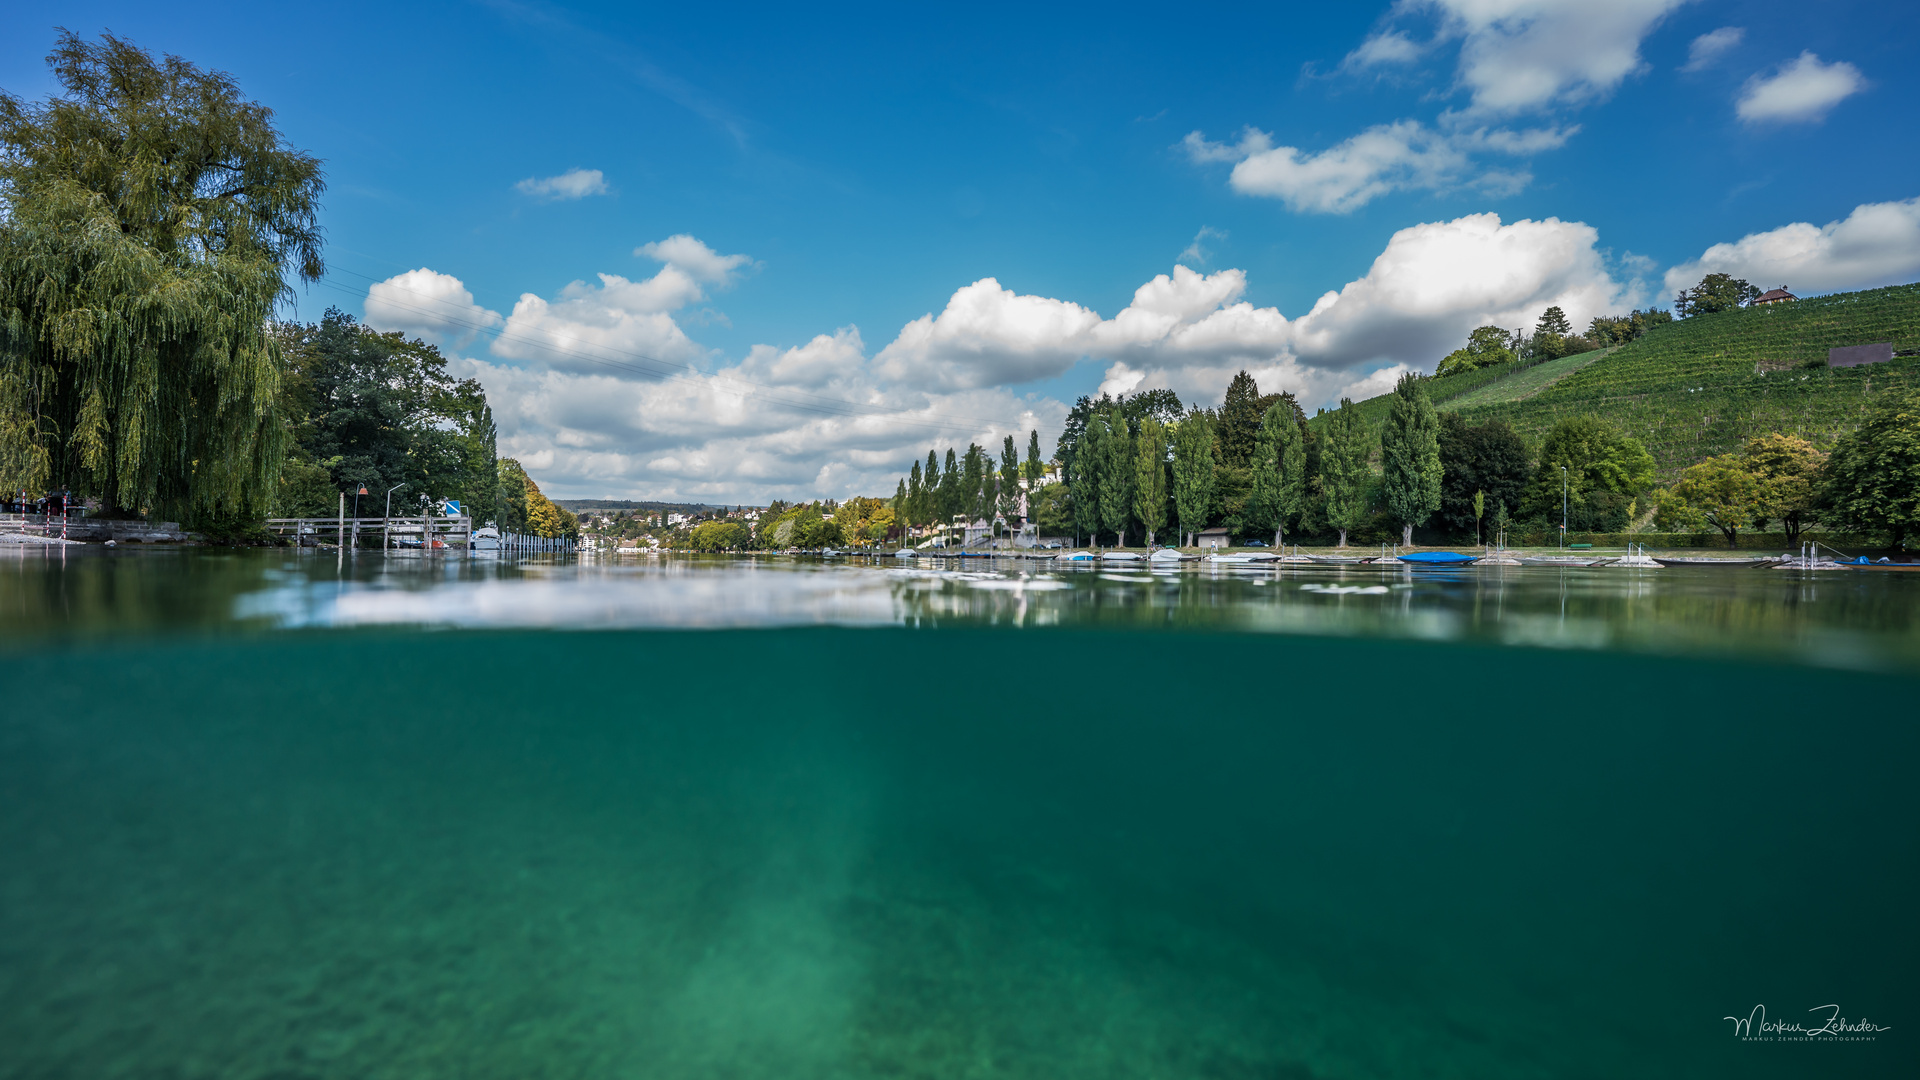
[1698, 560]
[1121, 556]
[1561, 560]
[1340, 560]
[1438, 558]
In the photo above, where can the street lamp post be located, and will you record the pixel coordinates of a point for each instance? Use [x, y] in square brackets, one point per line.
[386, 527]
[356, 514]
[1563, 508]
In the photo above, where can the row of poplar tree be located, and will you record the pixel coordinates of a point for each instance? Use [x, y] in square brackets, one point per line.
[1253, 465]
[1136, 467]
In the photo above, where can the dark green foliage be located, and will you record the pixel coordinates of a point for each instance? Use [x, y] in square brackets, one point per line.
[1150, 477]
[1116, 478]
[1084, 479]
[1279, 471]
[1873, 476]
[1607, 330]
[148, 220]
[1410, 456]
[909, 508]
[1163, 405]
[1033, 468]
[1239, 422]
[1193, 472]
[1487, 346]
[379, 410]
[1490, 458]
[1714, 294]
[1605, 472]
[952, 497]
[1051, 510]
[1009, 499]
[1345, 479]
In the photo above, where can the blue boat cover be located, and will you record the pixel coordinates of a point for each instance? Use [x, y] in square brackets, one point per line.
[1438, 558]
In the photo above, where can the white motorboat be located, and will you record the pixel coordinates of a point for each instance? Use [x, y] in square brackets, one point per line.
[485, 539]
[1074, 556]
[1170, 557]
[906, 553]
[1121, 556]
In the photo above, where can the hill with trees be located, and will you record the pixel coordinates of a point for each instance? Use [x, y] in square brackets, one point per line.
[1703, 386]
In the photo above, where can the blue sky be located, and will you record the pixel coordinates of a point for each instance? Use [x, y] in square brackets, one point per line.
[1437, 165]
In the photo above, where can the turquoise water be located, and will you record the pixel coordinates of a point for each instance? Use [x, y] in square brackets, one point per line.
[266, 815]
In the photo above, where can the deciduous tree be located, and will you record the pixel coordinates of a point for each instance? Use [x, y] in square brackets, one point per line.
[150, 217]
[1788, 472]
[1279, 472]
[1716, 292]
[1719, 491]
[1410, 455]
[1116, 478]
[1873, 476]
[1605, 471]
[1193, 467]
[1150, 477]
[1474, 458]
[1344, 474]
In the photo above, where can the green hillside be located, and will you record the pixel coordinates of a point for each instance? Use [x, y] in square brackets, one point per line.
[1704, 385]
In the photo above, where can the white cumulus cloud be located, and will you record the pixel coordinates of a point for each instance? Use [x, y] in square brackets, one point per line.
[825, 418]
[694, 258]
[435, 307]
[1514, 57]
[1709, 47]
[1518, 55]
[572, 184]
[1802, 90]
[1404, 155]
[1877, 244]
[1386, 47]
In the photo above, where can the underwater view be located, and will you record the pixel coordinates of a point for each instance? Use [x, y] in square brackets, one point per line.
[274, 814]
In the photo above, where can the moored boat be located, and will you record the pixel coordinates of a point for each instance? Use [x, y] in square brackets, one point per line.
[1708, 560]
[1438, 558]
[1561, 560]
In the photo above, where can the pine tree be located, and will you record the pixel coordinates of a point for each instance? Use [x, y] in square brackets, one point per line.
[1279, 466]
[1193, 465]
[1116, 478]
[1239, 422]
[1150, 477]
[149, 220]
[1343, 468]
[910, 510]
[1410, 455]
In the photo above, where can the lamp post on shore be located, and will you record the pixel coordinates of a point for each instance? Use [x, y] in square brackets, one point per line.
[386, 528]
[1563, 508]
[356, 515]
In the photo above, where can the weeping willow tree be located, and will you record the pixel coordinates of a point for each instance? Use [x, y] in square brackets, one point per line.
[150, 217]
